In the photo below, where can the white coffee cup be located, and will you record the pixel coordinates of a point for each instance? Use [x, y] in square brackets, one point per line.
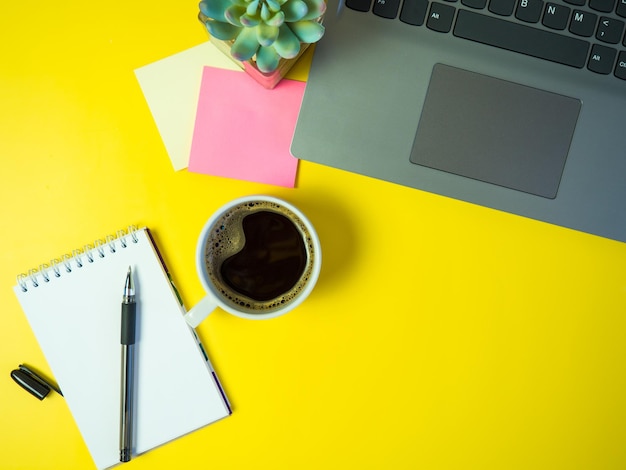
[222, 238]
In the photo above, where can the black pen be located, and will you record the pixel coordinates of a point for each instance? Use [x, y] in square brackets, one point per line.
[129, 320]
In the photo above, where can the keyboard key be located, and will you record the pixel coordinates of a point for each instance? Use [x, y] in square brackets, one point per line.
[556, 16]
[578, 3]
[610, 30]
[620, 68]
[414, 11]
[583, 23]
[502, 7]
[621, 8]
[440, 17]
[479, 4]
[601, 59]
[529, 10]
[359, 5]
[520, 38]
[605, 6]
[386, 8]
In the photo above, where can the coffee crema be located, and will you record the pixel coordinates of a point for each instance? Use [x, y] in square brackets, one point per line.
[259, 256]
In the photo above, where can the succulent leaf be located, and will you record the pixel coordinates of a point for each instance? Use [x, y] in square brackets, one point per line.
[249, 21]
[266, 34]
[273, 5]
[233, 14]
[252, 7]
[267, 59]
[214, 8]
[265, 12]
[294, 10]
[246, 44]
[222, 30]
[276, 20]
[307, 31]
[287, 44]
[316, 9]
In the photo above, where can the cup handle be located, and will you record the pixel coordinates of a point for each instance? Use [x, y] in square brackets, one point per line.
[200, 311]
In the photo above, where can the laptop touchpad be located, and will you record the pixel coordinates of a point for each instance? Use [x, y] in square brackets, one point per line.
[495, 131]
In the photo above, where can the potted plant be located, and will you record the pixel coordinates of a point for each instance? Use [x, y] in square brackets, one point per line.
[264, 37]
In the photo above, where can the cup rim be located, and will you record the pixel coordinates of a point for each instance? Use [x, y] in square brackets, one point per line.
[210, 289]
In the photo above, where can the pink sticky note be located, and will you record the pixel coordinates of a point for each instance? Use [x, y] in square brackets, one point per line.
[243, 130]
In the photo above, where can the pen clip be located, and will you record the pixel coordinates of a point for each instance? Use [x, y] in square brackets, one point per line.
[33, 383]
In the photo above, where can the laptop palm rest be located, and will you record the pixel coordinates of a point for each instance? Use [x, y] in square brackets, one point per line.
[495, 131]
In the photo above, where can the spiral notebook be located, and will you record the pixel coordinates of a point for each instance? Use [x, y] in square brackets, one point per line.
[73, 307]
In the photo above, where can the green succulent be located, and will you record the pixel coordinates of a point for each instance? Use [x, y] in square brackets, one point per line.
[264, 30]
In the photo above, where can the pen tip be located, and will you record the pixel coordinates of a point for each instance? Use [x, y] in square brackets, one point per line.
[129, 285]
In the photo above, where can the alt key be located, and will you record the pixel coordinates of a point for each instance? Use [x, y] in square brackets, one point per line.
[601, 59]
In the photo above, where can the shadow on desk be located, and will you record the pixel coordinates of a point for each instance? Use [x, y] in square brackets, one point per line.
[340, 242]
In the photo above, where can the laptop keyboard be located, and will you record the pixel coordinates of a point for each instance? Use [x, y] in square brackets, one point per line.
[578, 33]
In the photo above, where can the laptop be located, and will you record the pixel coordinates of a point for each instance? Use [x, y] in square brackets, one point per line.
[516, 105]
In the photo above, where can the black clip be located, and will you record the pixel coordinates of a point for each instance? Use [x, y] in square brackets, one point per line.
[33, 383]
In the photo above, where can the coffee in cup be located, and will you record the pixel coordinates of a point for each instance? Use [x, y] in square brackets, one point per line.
[257, 257]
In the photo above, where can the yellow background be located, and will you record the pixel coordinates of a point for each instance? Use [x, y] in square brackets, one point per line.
[441, 335]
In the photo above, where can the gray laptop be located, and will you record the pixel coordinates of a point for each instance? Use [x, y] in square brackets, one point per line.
[517, 105]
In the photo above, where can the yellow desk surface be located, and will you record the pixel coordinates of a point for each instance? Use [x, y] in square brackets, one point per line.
[441, 335]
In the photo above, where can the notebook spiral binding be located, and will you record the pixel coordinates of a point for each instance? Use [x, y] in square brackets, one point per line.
[88, 254]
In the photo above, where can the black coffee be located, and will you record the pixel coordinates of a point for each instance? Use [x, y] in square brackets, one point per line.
[272, 259]
[259, 256]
